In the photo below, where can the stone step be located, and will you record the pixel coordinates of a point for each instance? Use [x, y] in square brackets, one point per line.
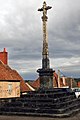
[67, 114]
[41, 100]
[42, 109]
[42, 103]
[60, 102]
[49, 95]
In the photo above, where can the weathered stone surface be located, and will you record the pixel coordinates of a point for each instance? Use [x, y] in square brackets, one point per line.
[49, 103]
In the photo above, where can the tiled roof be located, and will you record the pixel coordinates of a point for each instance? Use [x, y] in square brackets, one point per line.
[35, 84]
[6, 73]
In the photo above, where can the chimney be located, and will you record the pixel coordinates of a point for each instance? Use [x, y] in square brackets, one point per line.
[4, 56]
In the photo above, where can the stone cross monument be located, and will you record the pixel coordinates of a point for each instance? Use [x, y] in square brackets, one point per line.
[45, 73]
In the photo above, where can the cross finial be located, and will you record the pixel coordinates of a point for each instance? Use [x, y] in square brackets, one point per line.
[44, 9]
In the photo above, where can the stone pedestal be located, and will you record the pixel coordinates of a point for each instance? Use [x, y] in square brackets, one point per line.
[46, 78]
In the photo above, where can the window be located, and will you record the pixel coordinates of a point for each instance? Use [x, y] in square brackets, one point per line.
[9, 88]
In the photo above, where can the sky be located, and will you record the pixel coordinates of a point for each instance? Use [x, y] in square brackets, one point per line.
[21, 34]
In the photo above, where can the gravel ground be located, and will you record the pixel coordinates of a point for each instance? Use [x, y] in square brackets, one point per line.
[75, 117]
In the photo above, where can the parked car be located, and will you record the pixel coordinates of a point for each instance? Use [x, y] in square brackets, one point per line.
[77, 92]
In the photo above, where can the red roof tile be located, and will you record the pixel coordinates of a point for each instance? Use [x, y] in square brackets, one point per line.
[35, 84]
[6, 73]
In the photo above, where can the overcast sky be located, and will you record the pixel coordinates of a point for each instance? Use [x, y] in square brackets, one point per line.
[21, 34]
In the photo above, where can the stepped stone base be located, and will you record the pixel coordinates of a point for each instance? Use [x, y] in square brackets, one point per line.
[49, 103]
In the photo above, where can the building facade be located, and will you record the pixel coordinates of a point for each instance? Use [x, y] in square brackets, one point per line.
[9, 88]
[11, 83]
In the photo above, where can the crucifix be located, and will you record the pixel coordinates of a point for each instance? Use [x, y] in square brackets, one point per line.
[45, 53]
[45, 73]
